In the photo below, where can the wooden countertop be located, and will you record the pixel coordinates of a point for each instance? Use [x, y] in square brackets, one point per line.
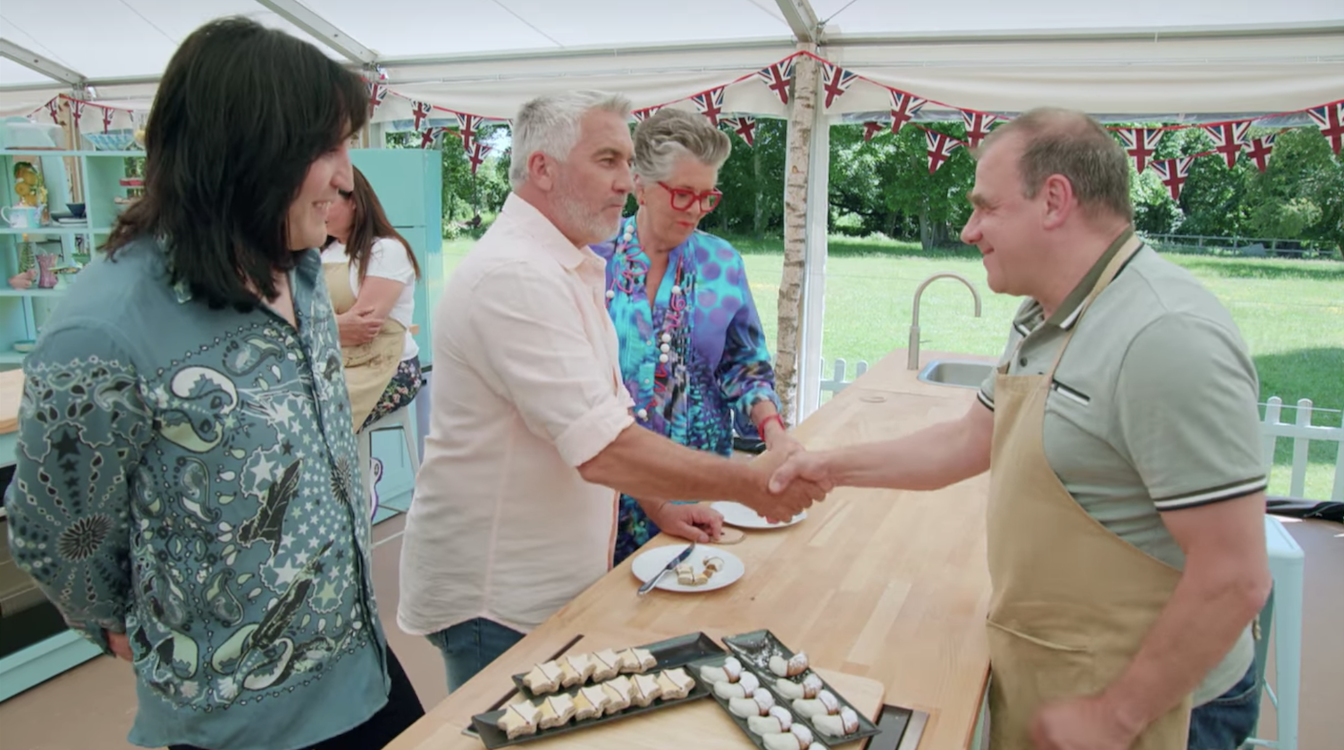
[11, 390]
[875, 583]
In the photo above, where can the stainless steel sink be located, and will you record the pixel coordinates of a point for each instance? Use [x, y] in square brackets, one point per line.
[960, 373]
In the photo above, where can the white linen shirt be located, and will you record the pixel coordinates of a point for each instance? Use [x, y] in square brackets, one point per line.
[526, 387]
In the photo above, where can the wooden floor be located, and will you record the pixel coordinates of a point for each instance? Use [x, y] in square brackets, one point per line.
[102, 691]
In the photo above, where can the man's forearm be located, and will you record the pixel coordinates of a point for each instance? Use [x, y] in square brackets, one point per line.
[1212, 605]
[930, 459]
[651, 467]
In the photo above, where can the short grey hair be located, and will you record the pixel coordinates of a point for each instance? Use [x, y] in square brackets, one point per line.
[550, 124]
[671, 134]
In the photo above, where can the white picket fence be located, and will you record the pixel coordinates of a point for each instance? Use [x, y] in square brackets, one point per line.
[1301, 431]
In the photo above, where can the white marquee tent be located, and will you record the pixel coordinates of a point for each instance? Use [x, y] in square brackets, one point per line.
[1173, 60]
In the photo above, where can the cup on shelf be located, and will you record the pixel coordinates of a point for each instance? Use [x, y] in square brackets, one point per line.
[76, 210]
[21, 217]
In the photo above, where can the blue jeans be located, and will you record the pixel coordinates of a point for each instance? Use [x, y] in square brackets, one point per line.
[1225, 722]
[468, 647]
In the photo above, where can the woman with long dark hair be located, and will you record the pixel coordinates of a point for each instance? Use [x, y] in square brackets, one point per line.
[371, 275]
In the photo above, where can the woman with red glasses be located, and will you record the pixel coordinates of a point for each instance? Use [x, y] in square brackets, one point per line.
[692, 348]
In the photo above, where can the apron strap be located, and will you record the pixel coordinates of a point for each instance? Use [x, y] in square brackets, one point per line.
[1127, 251]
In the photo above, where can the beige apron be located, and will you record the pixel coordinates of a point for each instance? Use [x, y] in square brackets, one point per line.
[368, 367]
[1072, 601]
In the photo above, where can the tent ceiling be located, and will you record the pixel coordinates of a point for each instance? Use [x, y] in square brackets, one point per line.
[486, 56]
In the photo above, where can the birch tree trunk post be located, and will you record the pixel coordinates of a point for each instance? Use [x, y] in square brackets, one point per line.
[790, 310]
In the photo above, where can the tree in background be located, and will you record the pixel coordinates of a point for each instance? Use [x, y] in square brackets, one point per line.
[465, 195]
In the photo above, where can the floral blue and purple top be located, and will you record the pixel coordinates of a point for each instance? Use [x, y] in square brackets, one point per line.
[693, 362]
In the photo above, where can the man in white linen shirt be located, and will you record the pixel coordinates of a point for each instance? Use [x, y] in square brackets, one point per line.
[531, 433]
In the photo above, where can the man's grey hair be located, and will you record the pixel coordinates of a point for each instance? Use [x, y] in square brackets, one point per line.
[550, 124]
[672, 134]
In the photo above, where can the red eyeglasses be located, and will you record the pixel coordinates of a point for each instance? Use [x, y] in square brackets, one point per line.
[683, 199]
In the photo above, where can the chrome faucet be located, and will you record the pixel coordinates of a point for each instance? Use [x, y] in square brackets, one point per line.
[912, 355]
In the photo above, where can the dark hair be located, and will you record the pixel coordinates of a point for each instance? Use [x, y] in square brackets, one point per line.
[1071, 144]
[368, 224]
[240, 115]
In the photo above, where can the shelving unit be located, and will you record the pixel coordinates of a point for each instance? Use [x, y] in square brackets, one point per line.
[96, 177]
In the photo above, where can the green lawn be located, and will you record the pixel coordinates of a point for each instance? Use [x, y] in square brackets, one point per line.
[1290, 312]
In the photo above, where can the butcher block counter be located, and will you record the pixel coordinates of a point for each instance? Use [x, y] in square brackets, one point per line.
[878, 584]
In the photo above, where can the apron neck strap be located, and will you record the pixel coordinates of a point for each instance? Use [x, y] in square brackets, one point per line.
[1127, 251]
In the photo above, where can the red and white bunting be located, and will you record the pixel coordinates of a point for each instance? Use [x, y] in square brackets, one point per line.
[421, 112]
[872, 128]
[744, 126]
[643, 114]
[977, 126]
[779, 77]
[710, 104]
[108, 114]
[1140, 144]
[940, 148]
[835, 82]
[477, 153]
[54, 109]
[429, 135]
[1259, 149]
[76, 111]
[904, 107]
[1173, 173]
[1330, 119]
[467, 127]
[377, 94]
[1228, 138]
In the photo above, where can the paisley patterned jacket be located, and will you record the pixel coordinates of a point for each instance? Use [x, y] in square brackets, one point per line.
[188, 475]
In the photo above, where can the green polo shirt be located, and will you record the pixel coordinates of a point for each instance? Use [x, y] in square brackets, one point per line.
[1152, 409]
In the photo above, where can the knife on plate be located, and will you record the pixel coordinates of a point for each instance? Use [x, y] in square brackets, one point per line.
[674, 562]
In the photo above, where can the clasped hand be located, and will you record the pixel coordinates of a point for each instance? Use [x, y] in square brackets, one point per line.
[786, 489]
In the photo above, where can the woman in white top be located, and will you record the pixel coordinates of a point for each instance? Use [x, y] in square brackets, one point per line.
[370, 273]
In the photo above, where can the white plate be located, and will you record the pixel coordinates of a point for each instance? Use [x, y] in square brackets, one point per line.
[739, 515]
[647, 564]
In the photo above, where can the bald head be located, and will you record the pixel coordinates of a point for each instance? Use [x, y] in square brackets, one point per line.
[1074, 146]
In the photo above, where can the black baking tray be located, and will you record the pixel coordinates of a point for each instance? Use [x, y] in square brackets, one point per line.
[492, 736]
[671, 653]
[754, 650]
[717, 661]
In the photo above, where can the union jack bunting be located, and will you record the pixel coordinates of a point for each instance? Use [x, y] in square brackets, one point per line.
[778, 77]
[1259, 150]
[1228, 138]
[108, 113]
[643, 114]
[467, 127]
[745, 127]
[54, 109]
[76, 111]
[476, 154]
[420, 111]
[429, 135]
[1140, 144]
[871, 129]
[904, 107]
[977, 126]
[377, 93]
[940, 148]
[1173, 173]
[1330, 119]
[837, 81]
[710, 104]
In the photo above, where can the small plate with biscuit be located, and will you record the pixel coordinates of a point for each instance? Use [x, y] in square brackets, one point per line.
[708, 568]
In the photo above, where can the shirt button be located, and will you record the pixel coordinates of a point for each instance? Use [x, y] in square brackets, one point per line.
[643, 414]
[1022, 361]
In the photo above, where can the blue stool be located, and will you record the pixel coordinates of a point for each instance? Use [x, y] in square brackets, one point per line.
[1283, 617]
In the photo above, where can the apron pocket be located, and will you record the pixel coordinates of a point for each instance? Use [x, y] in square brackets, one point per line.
[1030, 669]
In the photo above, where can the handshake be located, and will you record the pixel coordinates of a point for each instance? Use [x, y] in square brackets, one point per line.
[789, 480]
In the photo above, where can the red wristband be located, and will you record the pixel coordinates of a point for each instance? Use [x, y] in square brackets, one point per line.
[760, 428]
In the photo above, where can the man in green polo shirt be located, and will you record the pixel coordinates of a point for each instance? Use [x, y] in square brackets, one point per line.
[1126, 542]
